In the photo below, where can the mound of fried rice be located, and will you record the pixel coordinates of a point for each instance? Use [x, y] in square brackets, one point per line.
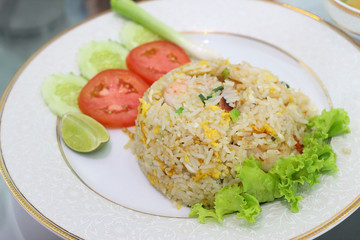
[189, 147]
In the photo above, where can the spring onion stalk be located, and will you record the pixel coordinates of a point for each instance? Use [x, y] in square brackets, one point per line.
[202, 97]
[234, 114]
[132, 11]
[179, 110]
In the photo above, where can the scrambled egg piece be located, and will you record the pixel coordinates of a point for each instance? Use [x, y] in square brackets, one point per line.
[156, 129]
[144, 107]
[211, 133]
[213, 107]
[271, 78]
[264, 129]
[226, 117]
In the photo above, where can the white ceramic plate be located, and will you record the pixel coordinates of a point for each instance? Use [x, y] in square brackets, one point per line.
[105, 196]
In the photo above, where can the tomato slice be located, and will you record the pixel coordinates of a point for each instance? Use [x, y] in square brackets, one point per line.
[112, 97]
[154, 59]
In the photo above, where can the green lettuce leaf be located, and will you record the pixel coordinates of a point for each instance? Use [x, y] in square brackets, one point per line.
[291, 172]
[230, 199]
[283, 179]
[256, 182]
[317, 157]
[250, 208]
[333, 123]
[197, 210]
[326, 158]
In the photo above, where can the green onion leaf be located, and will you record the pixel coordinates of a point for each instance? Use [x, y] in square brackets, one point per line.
[130, 10]
[225, 73]
[287, 85]
[273, 138]
[179, 110]
[234, 114]
[219, 88]
[202, 98]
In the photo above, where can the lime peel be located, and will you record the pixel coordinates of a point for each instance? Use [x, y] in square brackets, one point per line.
[82, 133]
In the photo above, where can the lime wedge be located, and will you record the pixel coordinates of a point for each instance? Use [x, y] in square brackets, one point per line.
[82, 133]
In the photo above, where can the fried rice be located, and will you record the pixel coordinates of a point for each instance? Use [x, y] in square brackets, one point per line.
[201, 120]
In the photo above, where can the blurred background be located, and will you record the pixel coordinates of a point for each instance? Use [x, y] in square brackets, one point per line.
[25, 25]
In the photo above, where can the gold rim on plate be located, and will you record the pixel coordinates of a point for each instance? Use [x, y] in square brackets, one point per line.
[346, 7]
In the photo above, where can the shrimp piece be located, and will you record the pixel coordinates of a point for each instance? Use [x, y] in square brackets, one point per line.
[180, 86]
[267, 164]
[268, 157]
[174, 90]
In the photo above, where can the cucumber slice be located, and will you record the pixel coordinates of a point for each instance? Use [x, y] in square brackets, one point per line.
[94, 57]
[133, 35]
[60, 92]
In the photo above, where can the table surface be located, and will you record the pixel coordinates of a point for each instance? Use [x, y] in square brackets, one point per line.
[22, 31]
